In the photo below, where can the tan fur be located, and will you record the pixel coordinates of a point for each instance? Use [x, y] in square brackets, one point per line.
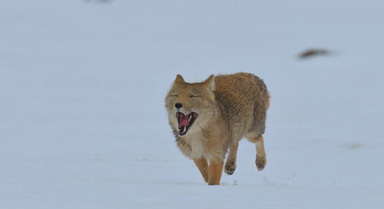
[214, 173]
[202, 165]
[229, 107]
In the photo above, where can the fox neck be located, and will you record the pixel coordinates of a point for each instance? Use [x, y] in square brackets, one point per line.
[194, 143]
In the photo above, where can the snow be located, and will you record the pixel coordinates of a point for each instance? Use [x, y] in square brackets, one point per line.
[82, 117]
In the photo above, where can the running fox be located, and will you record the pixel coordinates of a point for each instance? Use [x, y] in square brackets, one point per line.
[209, 119]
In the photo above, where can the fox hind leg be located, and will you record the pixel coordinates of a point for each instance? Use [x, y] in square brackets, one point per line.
[261, 157]
[230, 164]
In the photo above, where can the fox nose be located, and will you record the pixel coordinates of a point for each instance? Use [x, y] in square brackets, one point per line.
[178, 105]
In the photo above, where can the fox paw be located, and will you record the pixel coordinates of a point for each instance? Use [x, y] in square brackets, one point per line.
[261, 161]
[230, 167]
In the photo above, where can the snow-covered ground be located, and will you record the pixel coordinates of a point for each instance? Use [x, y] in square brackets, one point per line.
[82, 117]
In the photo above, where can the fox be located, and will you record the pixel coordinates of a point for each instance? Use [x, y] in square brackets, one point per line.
[209, 118]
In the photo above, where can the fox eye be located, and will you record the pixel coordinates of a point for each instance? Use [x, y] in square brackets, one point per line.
[194, 95]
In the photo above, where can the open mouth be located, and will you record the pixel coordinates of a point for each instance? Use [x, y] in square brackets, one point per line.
[185, 121]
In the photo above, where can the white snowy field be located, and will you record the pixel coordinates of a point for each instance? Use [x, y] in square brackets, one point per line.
[82, 117]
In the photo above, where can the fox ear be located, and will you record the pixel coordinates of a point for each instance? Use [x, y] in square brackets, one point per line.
[179, 79]
[210, 82]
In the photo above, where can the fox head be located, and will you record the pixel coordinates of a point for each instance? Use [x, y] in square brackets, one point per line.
[190, 106]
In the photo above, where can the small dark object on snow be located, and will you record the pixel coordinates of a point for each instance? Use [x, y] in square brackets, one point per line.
[313, 52]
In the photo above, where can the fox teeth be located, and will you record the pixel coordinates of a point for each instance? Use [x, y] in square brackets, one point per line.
[185, 121]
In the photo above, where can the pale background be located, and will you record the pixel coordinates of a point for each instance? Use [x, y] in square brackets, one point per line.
[82, 117]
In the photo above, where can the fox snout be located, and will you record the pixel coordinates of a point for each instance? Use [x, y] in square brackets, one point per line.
[178, 105]
[184, 119]
[182, 106]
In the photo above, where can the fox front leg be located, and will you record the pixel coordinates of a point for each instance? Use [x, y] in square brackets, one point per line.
[215, 170]
[202, 165]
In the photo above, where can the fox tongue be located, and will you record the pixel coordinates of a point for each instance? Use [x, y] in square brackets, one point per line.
[184, 122]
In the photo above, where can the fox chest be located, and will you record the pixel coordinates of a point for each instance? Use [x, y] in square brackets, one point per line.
[192, 147]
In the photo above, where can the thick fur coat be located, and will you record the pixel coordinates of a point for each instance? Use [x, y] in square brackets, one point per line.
[209, 119]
